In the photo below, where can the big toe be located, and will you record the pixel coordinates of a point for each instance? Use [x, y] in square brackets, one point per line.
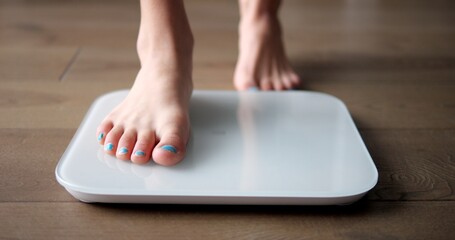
[171, 148]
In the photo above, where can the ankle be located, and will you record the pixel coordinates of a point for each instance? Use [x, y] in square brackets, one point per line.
[261, 26]
[166, 46]
[164, 30]
[166, 59]
[258, 9]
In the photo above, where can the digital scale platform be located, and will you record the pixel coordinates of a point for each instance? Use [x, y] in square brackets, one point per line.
[273, 148]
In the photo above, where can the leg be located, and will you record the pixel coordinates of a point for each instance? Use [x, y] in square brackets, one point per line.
[262, 61]
[152, 122]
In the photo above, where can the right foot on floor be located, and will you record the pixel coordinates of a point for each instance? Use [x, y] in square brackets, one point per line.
[262, 62]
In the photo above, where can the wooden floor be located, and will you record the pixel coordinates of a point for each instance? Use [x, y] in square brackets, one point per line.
[392, 62]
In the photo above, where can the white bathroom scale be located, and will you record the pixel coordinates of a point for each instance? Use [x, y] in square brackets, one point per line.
[274, 148]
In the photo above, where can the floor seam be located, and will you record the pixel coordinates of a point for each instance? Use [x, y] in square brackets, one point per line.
[70, 64]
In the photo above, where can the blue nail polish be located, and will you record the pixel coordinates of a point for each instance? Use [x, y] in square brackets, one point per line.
[169, 148]
[100, 137]
[139, 153]
[253, 89]
[109, 147]
[123, 150]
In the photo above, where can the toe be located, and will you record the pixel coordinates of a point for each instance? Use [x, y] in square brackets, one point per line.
[125, 145]
[295, 79]
[103, 129]
[171, 148]
[111, 141]
[278, 86]
[266, 85]
[142, 150]
[287, 83]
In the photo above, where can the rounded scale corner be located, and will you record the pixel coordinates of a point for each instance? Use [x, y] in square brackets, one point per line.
[329, 96]
[58, 170]
[60, 179]
[374, 173]
[81, 194]
[71, 187]
[355, 196]
[83, 197]
[350, 200]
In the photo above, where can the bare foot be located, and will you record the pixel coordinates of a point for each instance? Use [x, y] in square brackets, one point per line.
[153, 122]
[262, 61]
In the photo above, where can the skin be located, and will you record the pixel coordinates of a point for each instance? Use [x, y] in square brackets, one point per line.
[262, 62]
[153, 122]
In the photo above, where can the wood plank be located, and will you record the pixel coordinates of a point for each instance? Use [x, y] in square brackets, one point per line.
[34, 64]
[106, 65]
[101, 26]
[398, 106]
[67, 23]
[109, 65]
[325, 26]
[413, 164]
[28, 104]
[377, 28]
[373, 220]
[28, 161]
[32, 104]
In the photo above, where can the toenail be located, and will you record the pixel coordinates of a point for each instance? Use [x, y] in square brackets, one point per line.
[123, 150]
[139, 153]
[109, 147]
[169, 148]
[100, 137]
[253, 89]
